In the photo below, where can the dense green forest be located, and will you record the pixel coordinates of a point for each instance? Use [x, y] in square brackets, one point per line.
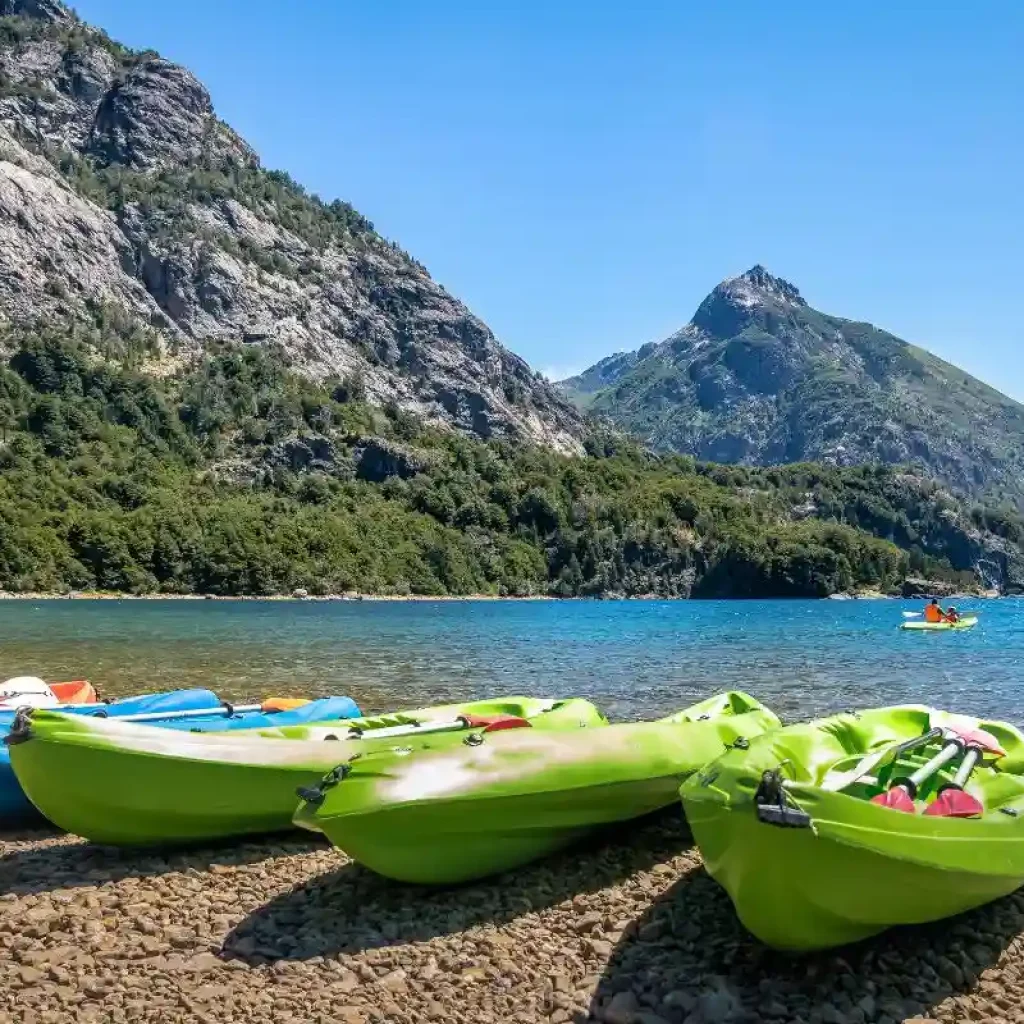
[236, 476]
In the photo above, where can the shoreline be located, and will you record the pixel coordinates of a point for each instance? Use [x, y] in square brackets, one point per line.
[106, 595]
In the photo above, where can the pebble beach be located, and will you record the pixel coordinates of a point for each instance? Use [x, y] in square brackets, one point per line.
[627, 930]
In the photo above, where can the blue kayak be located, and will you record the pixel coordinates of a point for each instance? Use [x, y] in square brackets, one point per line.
[194, 710]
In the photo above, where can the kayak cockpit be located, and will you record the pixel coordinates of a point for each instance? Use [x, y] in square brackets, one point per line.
[859, 755]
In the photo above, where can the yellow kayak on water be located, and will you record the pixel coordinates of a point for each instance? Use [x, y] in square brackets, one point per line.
[963, 623]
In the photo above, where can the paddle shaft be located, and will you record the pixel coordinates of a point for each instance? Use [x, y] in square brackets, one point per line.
[355, 733]
[952, 801]
[154, 716]
[967, 766]
[415, 729]
[929, 768]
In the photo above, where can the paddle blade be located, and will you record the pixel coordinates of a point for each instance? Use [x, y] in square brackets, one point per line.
[896, 798]
[975, 737]
[283, 703]
[493, 723]
[954, 803]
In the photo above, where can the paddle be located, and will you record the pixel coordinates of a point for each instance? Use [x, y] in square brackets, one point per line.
[878, 757]
[912, 615]
[900, 795]
[153, 716]
[271, 706]
[489, 723]
[952, 801]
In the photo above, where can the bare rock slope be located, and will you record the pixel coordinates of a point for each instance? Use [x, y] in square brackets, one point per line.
[124, 200]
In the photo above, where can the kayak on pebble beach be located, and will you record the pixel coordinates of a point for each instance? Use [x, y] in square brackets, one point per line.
[195, 710]
[476, 809]
[129, 784]
[830, 831]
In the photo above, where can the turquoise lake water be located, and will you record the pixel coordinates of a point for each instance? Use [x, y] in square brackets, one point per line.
[632, 658]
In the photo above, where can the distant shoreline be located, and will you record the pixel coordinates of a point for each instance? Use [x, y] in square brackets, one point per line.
[106, 595]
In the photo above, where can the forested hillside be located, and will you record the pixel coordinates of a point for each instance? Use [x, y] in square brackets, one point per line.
[758, 377]
[238, 476]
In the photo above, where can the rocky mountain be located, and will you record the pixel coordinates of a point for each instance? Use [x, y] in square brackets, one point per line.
[132, 214]
[759, 377]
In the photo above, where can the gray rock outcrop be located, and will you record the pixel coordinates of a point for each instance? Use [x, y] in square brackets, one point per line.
[121, 191]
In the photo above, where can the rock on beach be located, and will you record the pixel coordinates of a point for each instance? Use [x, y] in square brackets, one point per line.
[629, 930]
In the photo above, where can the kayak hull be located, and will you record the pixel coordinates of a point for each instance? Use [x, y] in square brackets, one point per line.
[967, 622]
[451, 816]
[803, 892]
[195, 710]
[854, 868]
[139, 810]
[15, 807]
[134, 785]
[428, 845]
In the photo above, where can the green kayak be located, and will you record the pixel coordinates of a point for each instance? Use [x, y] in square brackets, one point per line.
[790, 830]
[130, 785]
[501, 800]
[939, 627]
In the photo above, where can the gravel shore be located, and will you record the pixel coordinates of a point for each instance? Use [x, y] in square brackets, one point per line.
[286, 930]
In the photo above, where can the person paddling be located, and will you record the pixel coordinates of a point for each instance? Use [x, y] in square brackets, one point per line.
[933, 612]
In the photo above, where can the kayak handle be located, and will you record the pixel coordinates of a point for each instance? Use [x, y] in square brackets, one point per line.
[21, 727]
[316, 794]
[773, 804]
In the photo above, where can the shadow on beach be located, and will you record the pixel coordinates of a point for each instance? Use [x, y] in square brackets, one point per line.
[353, 909]
[67, 862]
[689, 958]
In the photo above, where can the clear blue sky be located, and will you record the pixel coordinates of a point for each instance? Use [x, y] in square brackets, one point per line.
[582, 174]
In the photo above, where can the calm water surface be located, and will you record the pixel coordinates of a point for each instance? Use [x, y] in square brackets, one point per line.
[634, 659]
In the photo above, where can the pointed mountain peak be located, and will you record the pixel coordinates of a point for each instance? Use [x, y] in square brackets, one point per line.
[739, 299]
[42, 10]
[757, 285]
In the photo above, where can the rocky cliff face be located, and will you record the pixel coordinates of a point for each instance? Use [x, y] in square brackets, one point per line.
[127, 206]
[759, 377]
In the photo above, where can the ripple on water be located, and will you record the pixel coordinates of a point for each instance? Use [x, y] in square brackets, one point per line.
[635, 659]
